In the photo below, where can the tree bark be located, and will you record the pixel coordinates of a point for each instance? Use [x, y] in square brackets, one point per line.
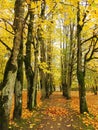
[80, 70]
[70, 60]
[49, 88]
[43, 51]
[11, 68]
[42, 74]
[35, 79]
[28, 67]
[19, 85]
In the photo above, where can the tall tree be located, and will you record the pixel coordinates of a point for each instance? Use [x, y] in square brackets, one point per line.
[11, 68]
[70, 60]
[80, 71]
[28, 67]
[49, 84]
[19, 85]
[43, 51]
[63, 63]
[36, 68]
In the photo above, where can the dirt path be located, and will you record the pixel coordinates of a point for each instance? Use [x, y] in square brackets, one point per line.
[58, 115]
[54, 114]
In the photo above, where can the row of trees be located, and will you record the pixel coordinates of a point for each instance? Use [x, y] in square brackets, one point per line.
[39, 28]
[78, 48]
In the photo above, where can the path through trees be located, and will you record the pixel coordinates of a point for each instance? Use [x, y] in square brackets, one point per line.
[45, 46]
[57, 113]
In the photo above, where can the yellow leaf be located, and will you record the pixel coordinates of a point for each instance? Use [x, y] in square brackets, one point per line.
[68, 125]
[59, 124]
[80, 22]
[10, 127]
[31, 125]
[51, 127]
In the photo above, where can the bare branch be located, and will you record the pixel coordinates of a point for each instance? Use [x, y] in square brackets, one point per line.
[96, 49]
[91, 69]
[5, 21]
[88, 39]
[7, 47]
[85, 57]
[26, 17]
[7, 30]
[92, 52]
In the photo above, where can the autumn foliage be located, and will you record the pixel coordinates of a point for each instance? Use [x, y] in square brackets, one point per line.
[51, 32]
[53, 111]
[90, 118]
[25, 112]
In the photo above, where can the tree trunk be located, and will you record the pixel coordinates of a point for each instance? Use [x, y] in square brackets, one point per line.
[42, 73]
[80, 72]
[49, 86]
[63, 64]
[28, 67]
[35, 80]
[19, 86]
[43, 51]
[82, 92]
[63, 69]
[11, 68]
[43, 85]
[70, 61]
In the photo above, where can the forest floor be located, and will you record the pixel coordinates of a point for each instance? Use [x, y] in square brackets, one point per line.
[57, 113]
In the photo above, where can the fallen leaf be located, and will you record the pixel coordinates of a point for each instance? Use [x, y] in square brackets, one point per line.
[59, 124]
[68, 125]
[51, 127]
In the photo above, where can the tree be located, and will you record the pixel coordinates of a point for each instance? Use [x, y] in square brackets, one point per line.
[42, 51]
[70, 60]
[68, 48]
[19, 84]
[83, 57]
[28, 67]
[80, 71]
[11, 67]
[49, 85]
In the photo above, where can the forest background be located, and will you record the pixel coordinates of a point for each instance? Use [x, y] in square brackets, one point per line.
[44, 46]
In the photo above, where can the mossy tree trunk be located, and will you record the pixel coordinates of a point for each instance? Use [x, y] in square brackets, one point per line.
[36, 71]
[10, 74]
[64, 63]
[49, 88]
[19, 85]
[42, 73]
[70, 60]
[28, 67]
[80, 69]
[43, 52]
[49, 75]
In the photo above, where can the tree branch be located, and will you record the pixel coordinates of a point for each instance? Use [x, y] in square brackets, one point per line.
[85, 57]
[7, 30]
[5, 21]
[7, 47]
[26, 17]
[47, 15]
[88, 39]
[91, 69]
[92, 52]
